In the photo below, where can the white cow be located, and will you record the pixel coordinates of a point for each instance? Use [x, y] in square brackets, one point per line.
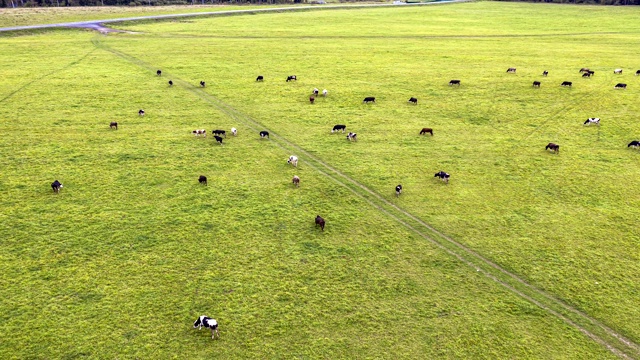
[234, 131]
[324, 92]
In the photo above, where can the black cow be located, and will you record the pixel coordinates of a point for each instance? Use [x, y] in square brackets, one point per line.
[545, 73]
[553, 147]
[637, 72]
[170, 83]
[634, 143]
[398, 190]
[264, 134]
[338, 128]
[292, 77]
[260, 78]
[219, 132]
[586, 74]
[413, 100]
[536, 84]
[202, 83]
[320, 221]
[113, 124]
[369, 99]
[159, 72]
[56, 186]
[566, 83]
[218, 139]
[443, 176]
[426, 130]
[620, 86]
[202, 180]
[511, 70]
[141, 112]
[454, 82]
[208, 323]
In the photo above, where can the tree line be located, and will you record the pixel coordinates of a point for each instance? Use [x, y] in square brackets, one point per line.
[55, 3]
[589, 2]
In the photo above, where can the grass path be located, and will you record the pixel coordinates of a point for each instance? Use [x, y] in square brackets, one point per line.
[594, 329]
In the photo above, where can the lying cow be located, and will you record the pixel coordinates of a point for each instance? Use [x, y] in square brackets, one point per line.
[260, 78]
[553, 147]
[443, 176]
[352, 136]
[454, 82]
[264, 134]
[369, 99]
[634, 143]
[511, 70]
[398, 190]
[426, 130]
[219, 132]
[56, 186]
[202, 180]
[199, 132]
[209, 323]
[320, 221]
[113, 124]
[338, 128]
[413, 100]
[293, 160]
[296, 180]
[292, 77]
[589, 121]
[620, 86]
[566, 83]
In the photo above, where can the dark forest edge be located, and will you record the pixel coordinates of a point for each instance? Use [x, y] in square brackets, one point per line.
[585, 2]
[66, 3]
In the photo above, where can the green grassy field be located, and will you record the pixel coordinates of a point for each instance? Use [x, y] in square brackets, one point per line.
[123, 260]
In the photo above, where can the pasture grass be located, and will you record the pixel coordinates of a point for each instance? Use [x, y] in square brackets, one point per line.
[132, 250]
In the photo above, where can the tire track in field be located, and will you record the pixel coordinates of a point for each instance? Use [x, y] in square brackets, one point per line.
[75, 62]
[590, 327]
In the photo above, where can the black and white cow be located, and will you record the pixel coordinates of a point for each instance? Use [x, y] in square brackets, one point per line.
[219, 132]
[369, 99]
[617, 71]
[637, 72]
[545, 73]
[511, 70]
[199, 132]
[113, 124]
[208, 323]
[566, 83]
[338, 128]
[620, 86]
[413, 100]
[264, 134]
[292, 77]
[293, 160]
[352, 136]
[141, 112]
[260, 78]
[553, 147]
[159, 72]
[536, 84]
[316, 91]
[202, 83]
[443, 176]
[202, 180]
[634, 143]
[218, 139]
[454, 82]
[398, 190]
[589, 121]
[56, 186]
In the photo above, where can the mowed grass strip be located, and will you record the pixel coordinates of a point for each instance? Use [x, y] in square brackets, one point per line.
[565, 223]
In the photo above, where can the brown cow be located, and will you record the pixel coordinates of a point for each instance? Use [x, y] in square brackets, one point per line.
[113, 124]
[426, 130]
[296, 180]
[320, 221]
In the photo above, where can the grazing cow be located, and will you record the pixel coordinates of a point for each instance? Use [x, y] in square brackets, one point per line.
[398, 190]
[352, 136]
[413, 100]
[316, 91]
[620, 86]
[234, 131]
[637, 72]
[202, 180]
[159, 72]
[202, 83]
[511, 70]
[553, 147]
[208, 323]
[634, 143]
[292, 77]
[591, 72]
[199, 132]
[586, 74]
[566, 83]
[545, 73]
[56, 186]
[454, 82]
[260, 78]
[311, 99]
[218, 139]
[536, 84]
[443, 176]
[617, 71]
[338, 128]
[296, 180]
[590, 121]
[426, 130]
[584, 70]
[170, 83]
[264, 134]
[293, 160]
[219, 132]
[324, 92]
[141, 112]
[320, 221]
[369, 99]
[113, 124]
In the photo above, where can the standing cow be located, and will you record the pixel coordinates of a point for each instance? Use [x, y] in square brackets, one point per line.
[56, 186]
[320, 222]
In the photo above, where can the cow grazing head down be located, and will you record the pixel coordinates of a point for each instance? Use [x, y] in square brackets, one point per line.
[113, 125]
[443, 176]
[260, 78]
[141, 112]
[292, 77]
[264, 134]
[296, 180]
[398, 190]
[320, 222]
[555, 148]
[208, 323]
[56, 186]
[159, 72]
[352, 136]
[202, 180]
[293, 160]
